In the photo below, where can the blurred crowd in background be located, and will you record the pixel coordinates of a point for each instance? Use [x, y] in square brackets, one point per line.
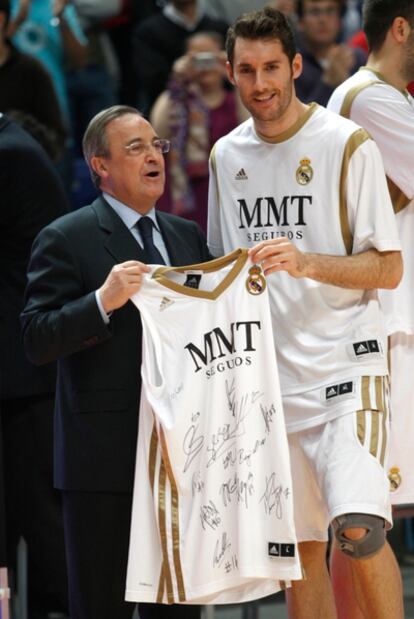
[62, 61]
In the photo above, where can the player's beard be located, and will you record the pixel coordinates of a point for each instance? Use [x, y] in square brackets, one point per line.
[408, 62]
[283, 98]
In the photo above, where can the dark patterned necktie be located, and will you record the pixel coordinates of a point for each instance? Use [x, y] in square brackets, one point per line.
[145, 226]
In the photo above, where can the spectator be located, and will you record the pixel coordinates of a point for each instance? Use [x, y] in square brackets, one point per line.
[229, 11]
[326, 63]
[92, 87]
[52, 34]
[25, 85]
[32, 196]
[194, 113]
[160, 39]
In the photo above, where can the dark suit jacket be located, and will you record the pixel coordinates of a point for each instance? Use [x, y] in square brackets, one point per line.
[31, 196]
[98, 364]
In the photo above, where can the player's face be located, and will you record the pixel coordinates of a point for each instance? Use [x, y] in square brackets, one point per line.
[408, 61]
[133, 172]
[264, 76]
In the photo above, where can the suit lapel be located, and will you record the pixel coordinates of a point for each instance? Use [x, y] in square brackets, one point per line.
[175, 243]
[119, 242]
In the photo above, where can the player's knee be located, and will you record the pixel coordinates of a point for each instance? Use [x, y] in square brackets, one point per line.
[359, 535]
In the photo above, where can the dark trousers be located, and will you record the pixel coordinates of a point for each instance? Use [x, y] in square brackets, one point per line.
[33, 506]
[97, 537]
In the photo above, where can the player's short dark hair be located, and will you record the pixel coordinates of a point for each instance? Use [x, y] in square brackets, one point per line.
[5, 8]
[267, 24]
[300, 6]
[378, 16]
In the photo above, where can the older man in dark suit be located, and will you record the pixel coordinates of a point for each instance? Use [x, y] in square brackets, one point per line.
[83, 270]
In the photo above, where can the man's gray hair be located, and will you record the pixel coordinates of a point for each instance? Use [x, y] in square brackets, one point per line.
[95, 141]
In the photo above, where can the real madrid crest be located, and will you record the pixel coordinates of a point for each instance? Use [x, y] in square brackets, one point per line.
[304, 173]
[394, 477]
[255, 283]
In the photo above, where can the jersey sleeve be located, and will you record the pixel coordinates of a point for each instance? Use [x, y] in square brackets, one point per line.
[388, 116]
[370, 212]
[214, 235]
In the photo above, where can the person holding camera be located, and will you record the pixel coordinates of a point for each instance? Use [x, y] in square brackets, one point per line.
[194, 112]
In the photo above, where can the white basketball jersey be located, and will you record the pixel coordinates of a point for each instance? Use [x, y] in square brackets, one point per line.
[320, 184]
[212, 517]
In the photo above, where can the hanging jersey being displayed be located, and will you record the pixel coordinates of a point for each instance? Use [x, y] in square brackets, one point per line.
[212, 518]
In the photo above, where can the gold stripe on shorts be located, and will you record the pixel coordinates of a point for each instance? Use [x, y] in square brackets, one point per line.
[374, 410]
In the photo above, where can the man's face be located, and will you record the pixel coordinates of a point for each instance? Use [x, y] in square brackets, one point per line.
[264, 76]
[321, 21]
[136, 175]
[408, 58]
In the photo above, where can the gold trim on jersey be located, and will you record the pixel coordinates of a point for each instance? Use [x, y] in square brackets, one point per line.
[398, 198]
[371, 421]
[166, 570]
[213, 163]
[175, 521]
[354, 141]
[350, 96]
[239, 256]
[286, 135]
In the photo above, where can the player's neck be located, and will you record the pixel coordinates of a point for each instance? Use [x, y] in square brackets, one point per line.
[270, 129]
[387, 66]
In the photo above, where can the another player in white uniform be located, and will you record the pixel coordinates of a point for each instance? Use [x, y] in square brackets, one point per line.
[309, 188]
[376, 98]
[212, 519]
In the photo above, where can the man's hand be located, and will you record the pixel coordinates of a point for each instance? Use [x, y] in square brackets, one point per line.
[340, 61]
[279, 255]
[123, 281]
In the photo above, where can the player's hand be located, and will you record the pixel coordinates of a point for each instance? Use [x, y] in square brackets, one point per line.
[279, 255]
[123, 281]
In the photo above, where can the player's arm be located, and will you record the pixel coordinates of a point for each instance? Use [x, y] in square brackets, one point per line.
[366, 270]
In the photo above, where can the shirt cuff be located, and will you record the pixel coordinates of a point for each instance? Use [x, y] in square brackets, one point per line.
[105, 316]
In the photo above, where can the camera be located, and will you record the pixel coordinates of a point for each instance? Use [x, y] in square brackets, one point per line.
[204, 60]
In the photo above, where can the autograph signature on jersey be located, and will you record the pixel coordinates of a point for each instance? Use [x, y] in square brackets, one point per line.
[210, 516]
[222, 545]
[273, 497]
[237, 489]
[224, 438]
[193, 442]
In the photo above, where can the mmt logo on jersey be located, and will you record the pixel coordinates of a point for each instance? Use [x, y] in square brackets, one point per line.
[217, 345]
[291, 214]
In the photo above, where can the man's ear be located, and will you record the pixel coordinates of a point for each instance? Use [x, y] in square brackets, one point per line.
[98, 165]
[230, 73]
[400, 29]
[297, 66]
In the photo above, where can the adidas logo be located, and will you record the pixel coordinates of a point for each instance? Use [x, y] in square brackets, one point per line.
[165, 302]
[368, 347]
[337, 390]
[274, 550]
[361, 349]
[241, 175]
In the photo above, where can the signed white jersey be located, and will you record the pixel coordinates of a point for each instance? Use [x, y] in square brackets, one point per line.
[212, 517]
[321, 184]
